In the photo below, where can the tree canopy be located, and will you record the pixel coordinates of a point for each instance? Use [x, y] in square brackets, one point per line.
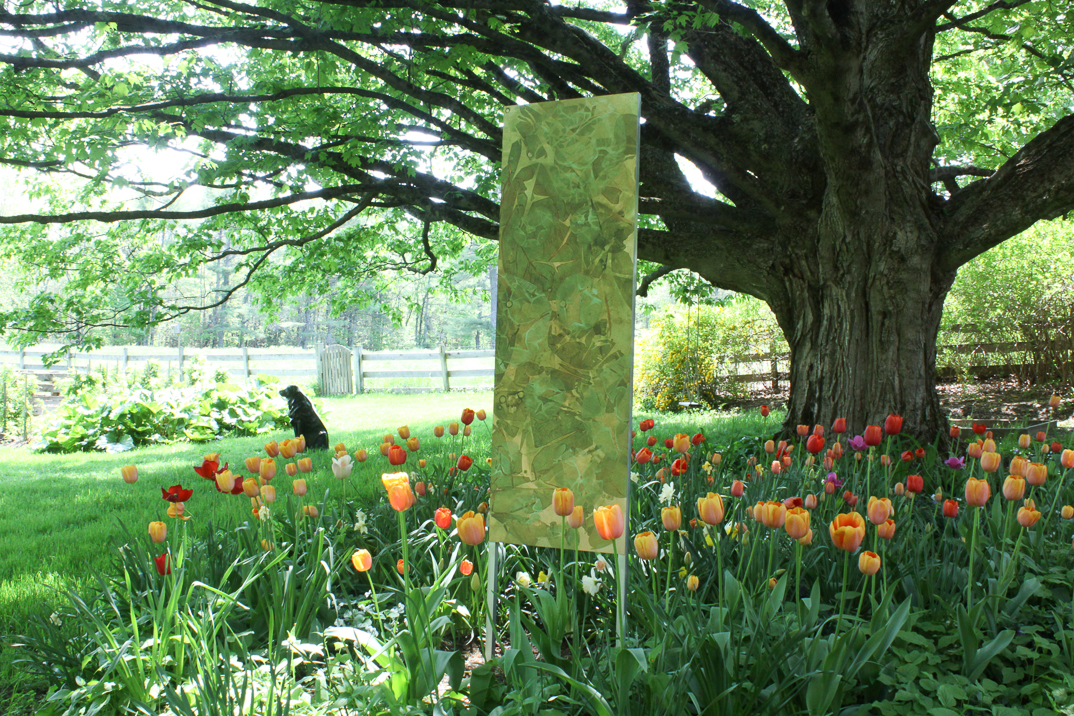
[860, 152]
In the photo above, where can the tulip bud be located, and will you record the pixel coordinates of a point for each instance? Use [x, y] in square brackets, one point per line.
[1053, 402]
[692, 582]
[671, 518]
[413, 444]
[483, 508]
[869, 563]
[1028, 515]
[299, 487]
[738, 488]
[839, 426]
[770, 446]
[576, 518]
[879, 510]
[1067, 459]
[810, 502]
[268, 494]
[311, 511]
[990, 461]
[900, 489]
[977, 492]
[914, 483]
[453, 428]
[129, 473]
[950, 508]
[158, 531]
[563, 501]
[1024, 441]
[1068, 512]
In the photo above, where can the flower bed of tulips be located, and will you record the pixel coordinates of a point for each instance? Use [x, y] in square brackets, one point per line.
[840, 572]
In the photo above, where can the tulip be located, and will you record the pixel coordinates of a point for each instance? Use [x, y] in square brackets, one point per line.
[1067, 512]
[468, 416]
[678, 467]
[253, 464]
[1057, 447]
[847, 531]
[773, 514]
[1028, 516]
[442, 518]
[1053, 402]
[251, 487]
[311, 511]
[225, 481]
[697, 439]
[661, 475]
[342, 467]
[850, 498]
[1019, 466]
[885, 460]
[176, 510]
[869, 563]
[158, 531]
[438, 431]
[872, 435]
[764, 411]
[977, 492]
[814, 444]
[419, 487]
[792, 502]
[651, 441]
[466, 567]
[1024, 441]
[129, 473]
[837, 451]
[362, 560]
[900, 489]
[464, 463]
[163, 564]
[797, 523]
[413, 444]
[738, 488]
[950, 508]
[975, 450]
[956, 432]
[839, 426]
[471, 528]
[576, 518]
[1036, 473]
[692, 582]
[979, 428]
[802, 430]
[681, 443]
[644, 455]
[300, 444]
[989, 445]
[990, 461]
[716, 459]
[481, 415]
[710, 509]
[810, 502]
[291, 469]
[287, 449]
[400, 496]
[453, 429]
[808, 539]
[610, 522]
[646, 545]
[563, 501]
[400, 567]
[886, 530]
[879, 510]
[272, 449]
[777, 467]
[1067, 459]
[893, 425]
[299, 488]
[305, 464]
[907, 455]
[672, 518]
[770, 446]
[829, 488]
[268, 494]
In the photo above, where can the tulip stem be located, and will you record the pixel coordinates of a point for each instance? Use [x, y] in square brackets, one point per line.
[798, 578]
[376, 604]
[719, 562]
[671, 566]
[973, 545]
[842, 594]
[1055, 501]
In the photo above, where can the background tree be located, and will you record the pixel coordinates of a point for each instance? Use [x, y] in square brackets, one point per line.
[343, 137]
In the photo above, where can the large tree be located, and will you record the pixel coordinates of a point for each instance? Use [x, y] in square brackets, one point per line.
[848, 192]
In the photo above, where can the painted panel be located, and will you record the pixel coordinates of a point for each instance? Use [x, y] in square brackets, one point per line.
[565, 316]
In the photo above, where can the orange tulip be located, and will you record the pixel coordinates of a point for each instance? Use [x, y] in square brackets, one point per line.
[950, 508]
[989, 445]
[847, 531]
[672, 518]
[225, 481]
[384, 448]
[802, 430]
[1024, 441]
[442, 517]
[563, 501]
[158, 531]
[773, 514]
[400, 496]
[438, 431]
[797, 522]
[808, 539]
[272, 449]
[404, 432]
[453, 428]
[305, 464]
[956, 432]
[975, 450]
[869, 563]
[471, 528]
[1019, 466]
[839, 426]
[810, 502]
[900, 489]
[576, 518]
[251, 487]
[362, 560]
[738, 488]
[481, 415]
[710, 509]
[886, 530]
[300, 443]
[267, 469]
[299, 487]
[291, 469]
[646, 545]
[340, 447]
[129, 473]
[466, 567]
[396, 455]
[468, 416]
[1036, 473]
[990, 461]
[413, 444]
[977, 492]
[879, 510]
[287, 449]
[692, 582]
[1014, 487]
[400, 567]
[268, 494]
[1067, 512]
[253, 464]
[770, 446]
[1028, 516]
[311, 511]
[361, 455]
[610, 522]
[1067, 459]
[1053, 402]
[681, 443]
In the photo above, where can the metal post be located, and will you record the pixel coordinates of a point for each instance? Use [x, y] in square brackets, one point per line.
[180, 362]
[358, 369]
[246, 364]
[22, 359]
[125, 357]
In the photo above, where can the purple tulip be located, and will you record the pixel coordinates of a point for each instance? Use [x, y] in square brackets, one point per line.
[955, 463]
[832, 478]
[857, 443]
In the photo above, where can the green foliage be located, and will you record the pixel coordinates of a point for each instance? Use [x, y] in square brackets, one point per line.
[691, 353]
[119, 421]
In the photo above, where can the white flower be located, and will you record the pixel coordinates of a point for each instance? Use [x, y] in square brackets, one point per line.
[590, 585]
[342, 466]
[523, 579]
[55, 619]
[359, 522]
[634, 477]
[667, 493]
[601, 565]
[264, 513]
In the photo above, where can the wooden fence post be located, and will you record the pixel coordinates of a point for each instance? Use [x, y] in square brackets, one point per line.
[443, 367]
[22, 359]
[3, 410]
[358, 385]
[246, 364]
[775, 367]
[124, 359]
[25, 408]
[180, 363]
[68, 361]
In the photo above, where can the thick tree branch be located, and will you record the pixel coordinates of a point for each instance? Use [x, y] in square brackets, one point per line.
[1036, 183]
[957, 22]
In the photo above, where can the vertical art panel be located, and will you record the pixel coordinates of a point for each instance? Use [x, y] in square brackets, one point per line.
[565, 317]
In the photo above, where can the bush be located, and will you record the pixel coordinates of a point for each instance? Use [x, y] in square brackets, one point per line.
[692, 353]
[125, 419]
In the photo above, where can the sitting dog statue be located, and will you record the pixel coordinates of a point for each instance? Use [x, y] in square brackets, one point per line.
[304, 418]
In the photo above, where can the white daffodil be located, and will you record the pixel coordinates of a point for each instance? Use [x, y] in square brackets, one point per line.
[523, 579]
[359, 523]
[634, 477]
[590, 585]
[264, 513]
[667, 493]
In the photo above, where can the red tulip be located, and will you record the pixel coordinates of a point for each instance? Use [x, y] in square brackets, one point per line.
[442, 517]
[840, 426]
[697, 439]
[464, 463]
[893, 425]
[208, 469]
[872, 435]
[907, 456]
[644, 455]
[396, 455]
[468, 416]
[956, 432]
[764, 411]
[814, 444]
[163, 564]
[950, 508]
[919, 453]
[737, 488]
[176, 493]
[980, 428]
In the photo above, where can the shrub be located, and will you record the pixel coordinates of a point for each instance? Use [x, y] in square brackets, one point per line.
[692, 354]
[119, 421]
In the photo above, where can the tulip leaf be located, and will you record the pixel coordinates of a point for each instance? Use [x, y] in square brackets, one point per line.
[601, 707]
[987, 652]
[1028, 589]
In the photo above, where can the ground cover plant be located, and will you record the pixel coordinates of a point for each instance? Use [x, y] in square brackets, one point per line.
[847, 571]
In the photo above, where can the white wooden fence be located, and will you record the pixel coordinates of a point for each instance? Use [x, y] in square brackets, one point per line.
[336, 368]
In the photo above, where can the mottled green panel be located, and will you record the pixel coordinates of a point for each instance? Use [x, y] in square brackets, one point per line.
[565, 316]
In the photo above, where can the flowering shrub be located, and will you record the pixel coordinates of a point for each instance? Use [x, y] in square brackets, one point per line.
[691, 354]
